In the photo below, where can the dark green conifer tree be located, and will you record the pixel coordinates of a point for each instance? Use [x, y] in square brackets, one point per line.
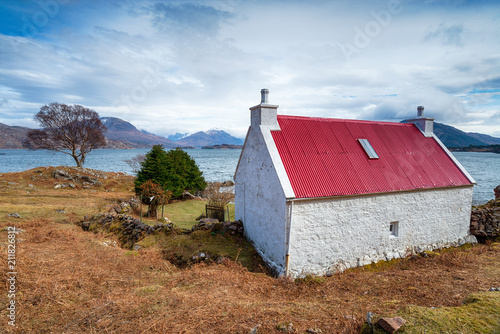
[174, 170]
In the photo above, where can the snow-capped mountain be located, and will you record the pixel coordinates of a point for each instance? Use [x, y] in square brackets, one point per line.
[208, 138]
[178, 136]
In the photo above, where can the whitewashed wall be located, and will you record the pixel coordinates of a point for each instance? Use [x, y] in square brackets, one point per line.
[260, 201]
[335, 234]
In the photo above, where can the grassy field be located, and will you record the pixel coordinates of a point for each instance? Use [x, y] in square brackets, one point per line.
[72, 281]
[184, 213]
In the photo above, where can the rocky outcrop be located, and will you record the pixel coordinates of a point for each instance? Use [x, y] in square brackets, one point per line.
[87, 178]
[485, 220]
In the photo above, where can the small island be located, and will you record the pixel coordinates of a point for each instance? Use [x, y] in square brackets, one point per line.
[222, 147]
[186, 147]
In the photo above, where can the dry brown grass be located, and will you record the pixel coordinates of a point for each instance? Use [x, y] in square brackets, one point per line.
[69, 281]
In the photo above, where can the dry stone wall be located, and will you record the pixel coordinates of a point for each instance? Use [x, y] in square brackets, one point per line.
[130, 230]
[485, 220]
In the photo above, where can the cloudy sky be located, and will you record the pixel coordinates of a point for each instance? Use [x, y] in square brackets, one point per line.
[185, 65]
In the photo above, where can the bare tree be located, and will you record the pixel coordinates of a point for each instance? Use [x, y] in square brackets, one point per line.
[136, 162]
[73, 130]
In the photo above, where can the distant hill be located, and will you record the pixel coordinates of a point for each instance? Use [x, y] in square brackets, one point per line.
[485, 138]
[12, 136]
[453, 137]
[123, 135]
[127, 134]
[120, 135]
[209, 138]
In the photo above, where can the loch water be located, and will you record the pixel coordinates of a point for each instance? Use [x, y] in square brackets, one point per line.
[220, 165]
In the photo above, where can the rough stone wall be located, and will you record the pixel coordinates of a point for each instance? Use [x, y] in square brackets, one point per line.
[335, 234]
[485, 220]
[260, 201]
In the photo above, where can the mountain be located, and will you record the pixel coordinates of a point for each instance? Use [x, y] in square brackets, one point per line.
[485, 138]
[12, 136]
[178, 136]
[124, 132]
[453, 137]
[123, 135]
[209, 138]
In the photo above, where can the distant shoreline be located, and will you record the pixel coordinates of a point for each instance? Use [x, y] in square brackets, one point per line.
[222, 147]
[472, 148]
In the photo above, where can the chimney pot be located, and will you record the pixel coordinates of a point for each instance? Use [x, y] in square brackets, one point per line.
[264, 113]
[425, 124]
[420, 111]
[264, 93]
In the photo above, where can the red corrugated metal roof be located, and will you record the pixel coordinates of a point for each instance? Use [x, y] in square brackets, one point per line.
[323, 157]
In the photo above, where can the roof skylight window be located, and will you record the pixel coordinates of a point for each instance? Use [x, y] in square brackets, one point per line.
[370, 152]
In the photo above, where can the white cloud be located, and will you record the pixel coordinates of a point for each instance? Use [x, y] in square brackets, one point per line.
[185, 66]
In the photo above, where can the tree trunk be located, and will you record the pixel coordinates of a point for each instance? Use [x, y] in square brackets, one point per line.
[153, 211]
[78, 162]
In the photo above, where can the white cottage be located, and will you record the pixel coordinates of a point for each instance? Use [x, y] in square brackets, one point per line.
[320, 195]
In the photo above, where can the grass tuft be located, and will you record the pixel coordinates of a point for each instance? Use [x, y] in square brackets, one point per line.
[480, 313]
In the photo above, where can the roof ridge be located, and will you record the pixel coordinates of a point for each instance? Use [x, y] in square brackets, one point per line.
[327, 119]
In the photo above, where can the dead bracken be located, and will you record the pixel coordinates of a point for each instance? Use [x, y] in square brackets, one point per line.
[73, 281]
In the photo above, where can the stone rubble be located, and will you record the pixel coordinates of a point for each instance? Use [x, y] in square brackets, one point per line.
[212, 224]
[85, 180]
[130, 230]
[485, 220]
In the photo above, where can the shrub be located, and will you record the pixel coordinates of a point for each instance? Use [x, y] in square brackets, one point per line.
[153, 195]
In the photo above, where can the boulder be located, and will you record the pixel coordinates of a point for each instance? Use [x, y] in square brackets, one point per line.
[60, 174]
[391, 325]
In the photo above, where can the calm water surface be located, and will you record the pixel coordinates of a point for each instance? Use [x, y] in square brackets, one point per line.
[220, 165]
[216, 165]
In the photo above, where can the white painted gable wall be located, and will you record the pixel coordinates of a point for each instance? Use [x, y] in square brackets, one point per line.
[260, 202]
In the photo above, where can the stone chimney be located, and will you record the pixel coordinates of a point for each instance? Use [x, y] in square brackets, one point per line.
[425, 124]
[264, 113]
